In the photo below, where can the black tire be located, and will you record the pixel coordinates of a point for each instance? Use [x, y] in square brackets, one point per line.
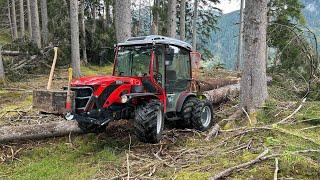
[199, 121]
[186, 113]
[91, 128]
[146, 121]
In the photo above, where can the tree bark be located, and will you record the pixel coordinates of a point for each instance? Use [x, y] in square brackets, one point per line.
[75, 50]
[29, 19]
[14, 19]
[123, 20]
[240, 40]
[254, 80]
[10, 19]
[22, 28]
[221, 94]
[2, 75]
[108, 15]
[36, 37]
[44, 21]
[172, 14]
[83, 32]
[94, 21]
[155, 20]
[183, 20]
[53, 129]
[194, 25]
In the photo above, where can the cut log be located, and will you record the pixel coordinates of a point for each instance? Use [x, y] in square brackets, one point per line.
[211, 84]
[11, 53]
[39, 131]
[221, 94]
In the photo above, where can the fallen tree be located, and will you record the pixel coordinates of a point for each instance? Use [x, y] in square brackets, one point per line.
[38, 131]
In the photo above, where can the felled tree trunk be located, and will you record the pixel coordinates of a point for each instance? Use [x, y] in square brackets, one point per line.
[211, 84]
[221, 94]
[53, 129]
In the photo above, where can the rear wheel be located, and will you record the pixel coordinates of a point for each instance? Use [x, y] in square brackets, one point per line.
[186, 113]
[202, 115]
[149, 121]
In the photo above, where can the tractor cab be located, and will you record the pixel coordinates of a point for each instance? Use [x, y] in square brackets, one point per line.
[162, 64]
[150, 84]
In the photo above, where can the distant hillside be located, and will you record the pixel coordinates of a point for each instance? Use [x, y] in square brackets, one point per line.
[223, 43]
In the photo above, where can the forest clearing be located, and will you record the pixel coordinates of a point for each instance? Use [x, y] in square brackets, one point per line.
[173, 89]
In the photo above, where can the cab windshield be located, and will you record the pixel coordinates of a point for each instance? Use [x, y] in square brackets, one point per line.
[133, 61]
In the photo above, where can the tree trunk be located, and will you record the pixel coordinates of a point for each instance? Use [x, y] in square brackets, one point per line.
[2, 75]
[108, 16]
[94, 21]
[240, 40]
[83, 32]
[183, 20]
[123, 20]
[44, 21]
[22, 28]
[155, 21]
[52, 129]
[14, 19]
[194, 25]
[75, 50]
[29, 19]
[172, 14]
[254, 80]
[10, 19]
[36, 37]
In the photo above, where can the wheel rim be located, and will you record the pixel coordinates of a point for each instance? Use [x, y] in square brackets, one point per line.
[159, 121]
[206, 116]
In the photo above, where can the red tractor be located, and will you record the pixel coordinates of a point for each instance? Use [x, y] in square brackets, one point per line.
[150, 84]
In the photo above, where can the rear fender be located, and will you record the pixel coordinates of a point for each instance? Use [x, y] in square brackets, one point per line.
[182, 98]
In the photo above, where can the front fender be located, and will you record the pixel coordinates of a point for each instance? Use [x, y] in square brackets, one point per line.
[182, 98]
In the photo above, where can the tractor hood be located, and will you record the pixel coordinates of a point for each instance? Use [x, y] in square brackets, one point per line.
[104, 80]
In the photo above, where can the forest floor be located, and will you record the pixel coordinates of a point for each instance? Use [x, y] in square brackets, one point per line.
[182, 154]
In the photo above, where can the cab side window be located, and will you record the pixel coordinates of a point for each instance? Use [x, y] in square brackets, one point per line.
[178, 69]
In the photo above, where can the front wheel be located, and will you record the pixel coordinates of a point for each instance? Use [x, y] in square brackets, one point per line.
[149, 121]
[202, 115]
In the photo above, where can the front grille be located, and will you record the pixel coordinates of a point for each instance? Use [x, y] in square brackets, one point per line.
[83, 95]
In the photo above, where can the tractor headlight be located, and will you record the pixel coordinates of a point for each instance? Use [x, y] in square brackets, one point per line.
[124, 99]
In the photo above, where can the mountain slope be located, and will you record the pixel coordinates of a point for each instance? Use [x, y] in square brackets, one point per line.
[224, 42]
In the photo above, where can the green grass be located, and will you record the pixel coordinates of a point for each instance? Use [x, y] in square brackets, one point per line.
[60, 160]
[4, 38]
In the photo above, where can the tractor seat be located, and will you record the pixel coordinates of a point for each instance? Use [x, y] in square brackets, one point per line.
[171, 78]
[171, 75]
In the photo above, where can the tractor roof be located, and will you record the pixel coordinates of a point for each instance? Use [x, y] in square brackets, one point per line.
[155, 39]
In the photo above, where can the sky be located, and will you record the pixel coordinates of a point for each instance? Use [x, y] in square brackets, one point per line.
[228, 6]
